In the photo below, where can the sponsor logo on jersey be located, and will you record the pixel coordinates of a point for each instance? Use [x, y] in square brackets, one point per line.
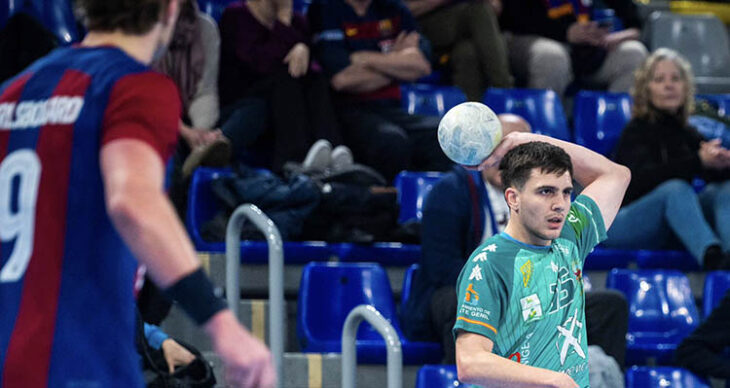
[480, 257]
[526, 270]
[476, 273]
[563, 291]
[472, 297]
[475, 312]
[490, 248]
[531, 308]
[571, 343]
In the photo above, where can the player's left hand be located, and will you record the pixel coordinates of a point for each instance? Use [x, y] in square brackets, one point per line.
[298, 60]
[175, 354]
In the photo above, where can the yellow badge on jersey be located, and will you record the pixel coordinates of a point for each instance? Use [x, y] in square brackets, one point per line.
[526, 270]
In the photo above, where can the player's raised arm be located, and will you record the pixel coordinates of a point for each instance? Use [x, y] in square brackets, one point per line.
[476, 364]
[604, 181]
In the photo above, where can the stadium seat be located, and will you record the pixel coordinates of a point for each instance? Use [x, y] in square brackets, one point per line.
[430, 100]
[203, 206]
[660, 259]
[438, 376]
[599, 119]
[56, 15]
[214, 8]
[717, 283]
[603, 259]
[434, 78]
[541, 108]
[701, 39]
[720, 101]
[413, 187]
[662, 312]
[662, 377]
[410, 275]
[329, 291]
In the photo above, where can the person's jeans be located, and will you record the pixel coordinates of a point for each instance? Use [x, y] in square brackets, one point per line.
[715, 202]
[668, 213]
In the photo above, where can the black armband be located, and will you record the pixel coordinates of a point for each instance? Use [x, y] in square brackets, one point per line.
[195, 294]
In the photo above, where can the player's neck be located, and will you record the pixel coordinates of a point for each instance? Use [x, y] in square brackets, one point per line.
[140, 47]
[519, 232]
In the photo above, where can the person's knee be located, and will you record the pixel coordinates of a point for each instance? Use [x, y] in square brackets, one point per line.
[464, 54]
[631, 53]
[677, 188]
[549, 65]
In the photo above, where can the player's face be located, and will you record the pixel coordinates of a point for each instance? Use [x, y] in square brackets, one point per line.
[541, 207]
[666, 87]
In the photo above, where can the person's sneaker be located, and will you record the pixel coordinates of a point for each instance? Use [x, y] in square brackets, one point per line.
[215, 154]
[341, 158]
[318, 157]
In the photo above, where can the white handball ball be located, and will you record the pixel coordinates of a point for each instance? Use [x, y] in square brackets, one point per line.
[469, 132]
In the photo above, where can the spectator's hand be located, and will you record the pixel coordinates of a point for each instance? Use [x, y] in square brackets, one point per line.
[298, 60]
[283, 11]
[613, 39]
[587, 33]
[406, 40]
[175, 354]
[359, 58]
[496, 6]
[246, 359]
[713, 155]
[198, 137]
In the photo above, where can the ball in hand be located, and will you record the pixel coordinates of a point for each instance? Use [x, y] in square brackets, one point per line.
[469, 132]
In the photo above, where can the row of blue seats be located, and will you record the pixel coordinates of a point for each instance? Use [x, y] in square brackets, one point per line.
[598, 117]
[444, 376]
[662, 310]
[413, 187]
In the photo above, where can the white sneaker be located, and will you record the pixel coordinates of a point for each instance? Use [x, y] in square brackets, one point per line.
[341, 158]
[318, 157]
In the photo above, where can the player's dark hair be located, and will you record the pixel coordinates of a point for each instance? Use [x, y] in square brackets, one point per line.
[130, 16]
[518, 163]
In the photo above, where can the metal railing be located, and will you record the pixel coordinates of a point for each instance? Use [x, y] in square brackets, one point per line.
[276, 275]
[392, 343]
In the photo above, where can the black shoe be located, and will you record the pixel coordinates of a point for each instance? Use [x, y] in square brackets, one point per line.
[713, 258]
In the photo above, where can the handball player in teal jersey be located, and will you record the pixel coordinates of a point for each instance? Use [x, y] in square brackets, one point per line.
[520, 317]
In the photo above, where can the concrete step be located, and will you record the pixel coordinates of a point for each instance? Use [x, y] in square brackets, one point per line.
[315, 370]
[252, 313]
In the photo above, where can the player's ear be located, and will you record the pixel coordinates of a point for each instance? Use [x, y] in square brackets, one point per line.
[512, 196]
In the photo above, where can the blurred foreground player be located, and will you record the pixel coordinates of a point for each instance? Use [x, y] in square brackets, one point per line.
[520, 319]
[84, 133]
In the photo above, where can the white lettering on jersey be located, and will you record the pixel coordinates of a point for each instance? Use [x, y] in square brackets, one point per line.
[476, 273]
[32, 114]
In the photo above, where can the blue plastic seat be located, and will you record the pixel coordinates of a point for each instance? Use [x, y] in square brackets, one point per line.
[662, 312]
[541, 108]
[662, 377]
[599, 119]
[717, 283]
[405, 292]
[214, 8]
[604, 259]
[56, 15]
[329, 291]
[413, 187]
[203, 206]
[430, 100]
[439, 376]
[660, 259]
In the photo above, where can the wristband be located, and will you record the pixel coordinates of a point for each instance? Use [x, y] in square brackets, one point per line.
[195, 294]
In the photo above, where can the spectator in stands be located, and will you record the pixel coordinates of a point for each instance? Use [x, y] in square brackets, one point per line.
[367, 47]
[466, 40]
[462, 210]
[23, 39]
[665, 154]
[269, 86]
[175, 354]
[551, 43]
[703, 351]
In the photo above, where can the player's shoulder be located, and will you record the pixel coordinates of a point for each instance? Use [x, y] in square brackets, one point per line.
[496, 252]
[582, 211]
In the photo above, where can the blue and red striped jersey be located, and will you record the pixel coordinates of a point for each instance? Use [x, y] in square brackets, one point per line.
[66, 277]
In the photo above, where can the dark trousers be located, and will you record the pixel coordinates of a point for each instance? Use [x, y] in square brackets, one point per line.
[282, 116]
[385, 137]
[607, 320]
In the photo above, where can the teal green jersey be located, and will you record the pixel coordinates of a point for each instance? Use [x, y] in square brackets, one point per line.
[529, 299]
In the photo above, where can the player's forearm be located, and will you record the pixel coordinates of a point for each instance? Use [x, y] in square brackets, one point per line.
[406, 65]
[148, 224]
[358, 79]
[490, 370]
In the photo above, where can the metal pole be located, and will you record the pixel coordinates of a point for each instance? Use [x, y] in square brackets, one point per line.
[392, 343]
[276, 275]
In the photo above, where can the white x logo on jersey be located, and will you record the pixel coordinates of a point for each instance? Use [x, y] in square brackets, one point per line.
[570, 340]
